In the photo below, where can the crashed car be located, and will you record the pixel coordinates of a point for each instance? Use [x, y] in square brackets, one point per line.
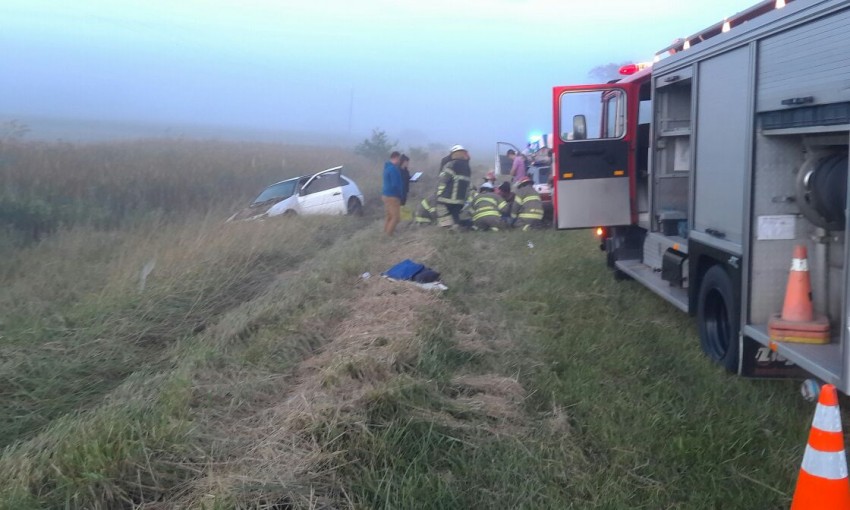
[327, 192]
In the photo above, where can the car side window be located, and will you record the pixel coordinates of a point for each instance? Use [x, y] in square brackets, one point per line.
[322, 183]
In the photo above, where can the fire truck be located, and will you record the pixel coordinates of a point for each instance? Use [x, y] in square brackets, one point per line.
[702, 170]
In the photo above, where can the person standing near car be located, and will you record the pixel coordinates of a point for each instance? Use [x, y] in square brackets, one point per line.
[518, 170]
[392, 193]
[403, 162]
[453, 187]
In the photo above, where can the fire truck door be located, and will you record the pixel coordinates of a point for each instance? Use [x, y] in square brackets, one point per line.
[592, 183]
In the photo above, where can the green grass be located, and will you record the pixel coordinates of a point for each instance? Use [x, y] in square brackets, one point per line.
[88, 346]
[662, 426]
[651, 423]
[619, 407]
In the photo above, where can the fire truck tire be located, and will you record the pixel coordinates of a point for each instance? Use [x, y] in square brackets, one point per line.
[717, 317]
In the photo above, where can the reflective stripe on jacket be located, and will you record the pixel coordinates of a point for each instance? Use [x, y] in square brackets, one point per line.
[454, 182]
[426, 212]
[488, 204]
[527, 204]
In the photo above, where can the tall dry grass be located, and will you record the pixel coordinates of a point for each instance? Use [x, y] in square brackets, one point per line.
[48, 186]
[85, 309]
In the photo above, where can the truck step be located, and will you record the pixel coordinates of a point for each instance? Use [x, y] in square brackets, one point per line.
[822, 361]
[678, 297]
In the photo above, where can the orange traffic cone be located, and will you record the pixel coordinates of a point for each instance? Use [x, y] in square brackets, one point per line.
[798, 322]
[823, 484]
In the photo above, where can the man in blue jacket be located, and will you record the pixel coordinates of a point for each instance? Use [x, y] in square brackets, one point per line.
[392, 192]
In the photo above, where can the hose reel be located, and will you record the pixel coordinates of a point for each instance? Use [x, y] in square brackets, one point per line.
[822, 190]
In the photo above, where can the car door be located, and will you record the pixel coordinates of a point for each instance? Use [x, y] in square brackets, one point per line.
[503, 163]
[322, 194]
[592, 182]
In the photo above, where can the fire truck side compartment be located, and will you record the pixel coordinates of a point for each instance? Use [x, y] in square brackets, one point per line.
[771, 95]
[802, 100]
[810, 60]
[723, 134]
[671, 160]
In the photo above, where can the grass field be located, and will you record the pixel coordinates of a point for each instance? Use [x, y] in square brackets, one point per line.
[254, 368]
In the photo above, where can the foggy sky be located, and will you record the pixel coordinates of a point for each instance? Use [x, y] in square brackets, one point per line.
[453, 71]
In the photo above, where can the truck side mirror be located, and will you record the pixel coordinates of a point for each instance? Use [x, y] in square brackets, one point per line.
[579, 127]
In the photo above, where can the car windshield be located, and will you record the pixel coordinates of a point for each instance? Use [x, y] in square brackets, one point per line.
[277, 191]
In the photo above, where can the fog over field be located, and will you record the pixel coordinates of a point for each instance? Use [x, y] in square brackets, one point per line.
[438, 71]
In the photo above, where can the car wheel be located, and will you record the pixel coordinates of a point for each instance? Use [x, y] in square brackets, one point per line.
[717, 317]
[355, 207]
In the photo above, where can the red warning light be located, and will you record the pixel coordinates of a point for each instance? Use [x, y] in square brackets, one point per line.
[630, 69]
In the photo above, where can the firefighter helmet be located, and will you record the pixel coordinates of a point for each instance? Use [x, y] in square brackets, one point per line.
[456, 148]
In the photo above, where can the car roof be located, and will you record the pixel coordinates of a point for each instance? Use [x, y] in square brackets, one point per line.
[328, 170]
[306, 176]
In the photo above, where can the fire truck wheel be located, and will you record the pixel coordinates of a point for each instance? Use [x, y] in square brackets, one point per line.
[717, 316]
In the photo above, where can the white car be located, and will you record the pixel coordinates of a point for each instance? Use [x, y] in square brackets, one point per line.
[327, 192]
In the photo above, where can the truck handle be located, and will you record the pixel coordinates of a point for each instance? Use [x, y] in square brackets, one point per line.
[797, 101]
[715, 233]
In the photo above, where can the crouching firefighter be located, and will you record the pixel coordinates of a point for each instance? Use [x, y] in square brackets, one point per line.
[527, 210]
[453, 186]
[426, 211]
[487, 209]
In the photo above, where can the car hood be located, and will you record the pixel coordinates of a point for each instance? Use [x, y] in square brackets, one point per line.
[255, 210]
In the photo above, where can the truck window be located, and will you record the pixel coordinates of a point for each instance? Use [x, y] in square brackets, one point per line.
[604, 113]
[645, 112]
[614, 118]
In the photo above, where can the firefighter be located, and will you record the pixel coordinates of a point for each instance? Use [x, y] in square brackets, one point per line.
[487, 209]
[453, 187]
[426, 212]
[527, 209]
[489, 178]
[504, 191]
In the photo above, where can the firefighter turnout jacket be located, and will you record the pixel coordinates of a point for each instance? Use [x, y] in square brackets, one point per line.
[487, 210]
[527, 210]
[454, 182]
[488, 204]
[426, 211]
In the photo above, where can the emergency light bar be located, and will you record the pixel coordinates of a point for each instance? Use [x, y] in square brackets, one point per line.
[630, 69]
[724, 26]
